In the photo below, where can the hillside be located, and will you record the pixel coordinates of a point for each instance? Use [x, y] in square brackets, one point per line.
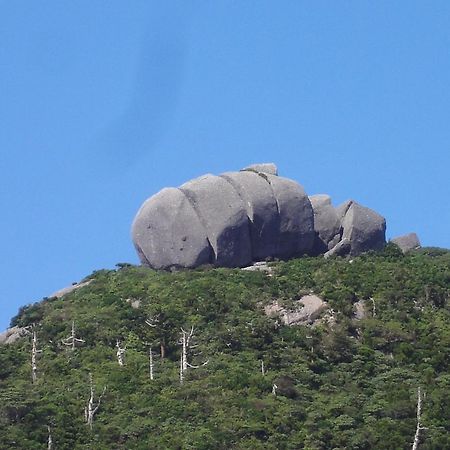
[342, 383]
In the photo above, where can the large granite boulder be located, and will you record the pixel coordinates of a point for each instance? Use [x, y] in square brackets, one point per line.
[261, 208]
[296, 232]
[327, 225]
[167, 232]
[224, 217]
[363, 228]
[407, 242]
[237, 218]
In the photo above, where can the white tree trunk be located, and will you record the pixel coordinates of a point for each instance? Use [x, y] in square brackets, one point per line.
[374, 310]
[34, 353]
[150, 362]
[49, 439]
[185, 342]
[120, 354]
[263, 370]
[91, 409]
[419, 426]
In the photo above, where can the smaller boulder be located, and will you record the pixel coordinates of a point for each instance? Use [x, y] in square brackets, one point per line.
[362, 227]
[306, 311]
[342, 248]
[269, 168]
[407, 242]
[359, 310]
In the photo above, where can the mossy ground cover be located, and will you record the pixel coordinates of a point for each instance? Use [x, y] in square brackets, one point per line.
[352, 385]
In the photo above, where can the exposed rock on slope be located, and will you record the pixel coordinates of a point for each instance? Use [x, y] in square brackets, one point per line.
[306, 311]
[236, 218]
[12, 334]
[407, 242]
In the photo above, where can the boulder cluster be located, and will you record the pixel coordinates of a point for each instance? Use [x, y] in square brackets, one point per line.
[236, 218]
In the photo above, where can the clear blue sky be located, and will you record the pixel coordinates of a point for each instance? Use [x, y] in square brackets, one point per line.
[103, 103]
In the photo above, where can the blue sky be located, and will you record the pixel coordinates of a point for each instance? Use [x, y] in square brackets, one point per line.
[103, 103]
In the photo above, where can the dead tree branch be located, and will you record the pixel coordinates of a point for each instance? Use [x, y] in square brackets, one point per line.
[91, 409]
[72, 340]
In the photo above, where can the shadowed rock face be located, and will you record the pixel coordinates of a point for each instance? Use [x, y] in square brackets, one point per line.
[236, 218]
[327, 224]
[296, 232]
[224, 217]
[261, 209]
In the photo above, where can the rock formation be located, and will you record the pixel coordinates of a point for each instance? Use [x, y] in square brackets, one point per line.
[407, 242]
[327, 224]
[305, 311]
[236, 218]
[12, 334]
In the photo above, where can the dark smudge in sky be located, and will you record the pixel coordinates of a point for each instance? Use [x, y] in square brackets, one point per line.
[155, 93]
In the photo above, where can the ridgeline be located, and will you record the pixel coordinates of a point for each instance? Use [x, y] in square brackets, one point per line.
[224, 375]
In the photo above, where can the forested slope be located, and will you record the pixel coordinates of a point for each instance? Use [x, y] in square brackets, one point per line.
[341, 384]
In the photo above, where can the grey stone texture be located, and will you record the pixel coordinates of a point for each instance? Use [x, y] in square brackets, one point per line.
[407, 242]
[363, 228]
[237, 218]
[327, 225]
[167, 232]
[305, 312]
[296, 231]
[69, 289]
[224, 217]
[262, 211]
[342, 248]
[269, 168]
[12, 335]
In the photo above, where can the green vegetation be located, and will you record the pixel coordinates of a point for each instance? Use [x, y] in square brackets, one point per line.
[350, 385]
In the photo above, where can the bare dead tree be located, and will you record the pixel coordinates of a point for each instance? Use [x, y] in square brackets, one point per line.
[186, 345]
[150, 363]
[274, 389]
[34, 353]
[263, 370]
[374, 310]
[153, 322]
[120, 353]
[419, 426]
[49, 439]
[91, 409]
[72, 340]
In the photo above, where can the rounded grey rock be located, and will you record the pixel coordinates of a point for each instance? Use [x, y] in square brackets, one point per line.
[261, 208]
[224, 217]
[167, 232]
[296, 229]
[363, 228]
[407, 242]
